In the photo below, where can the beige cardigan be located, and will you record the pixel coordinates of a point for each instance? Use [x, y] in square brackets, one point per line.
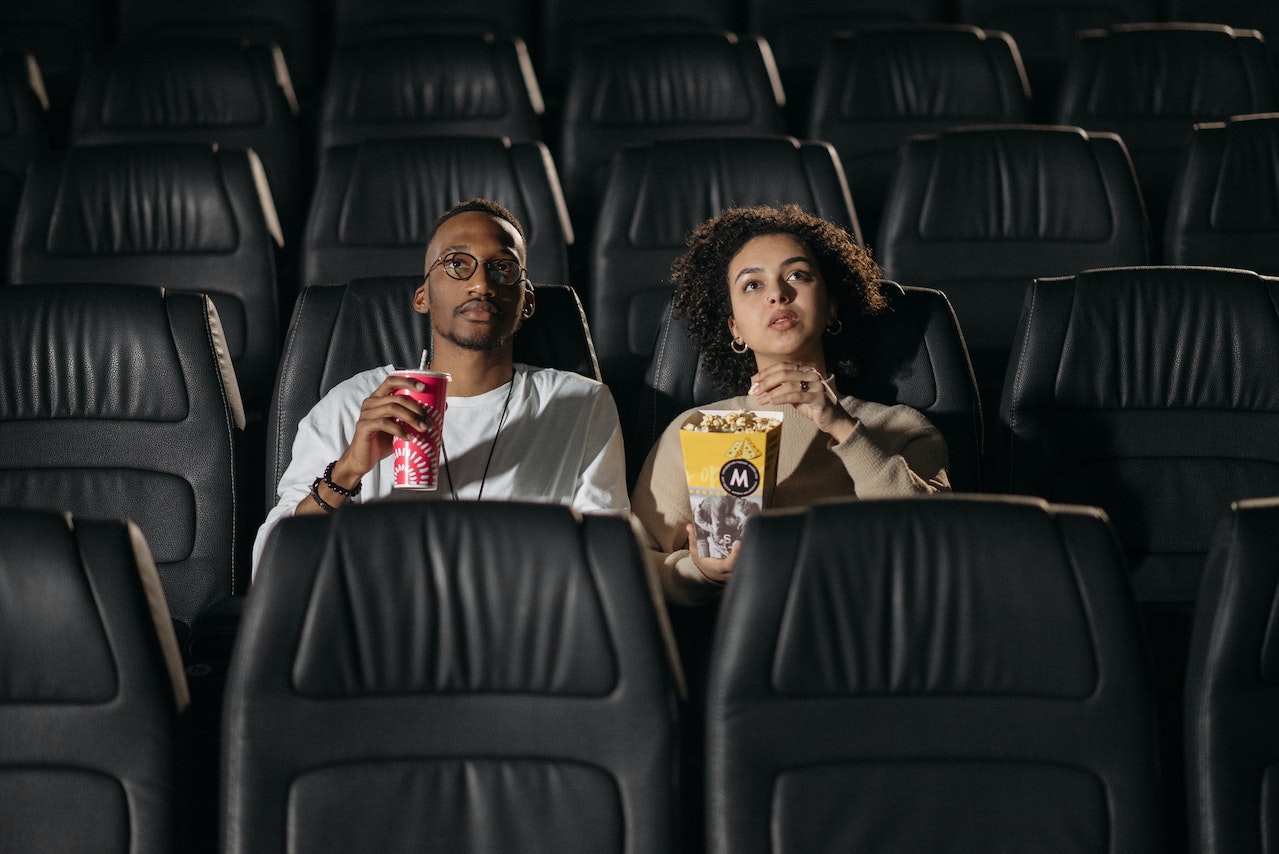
[893, 451]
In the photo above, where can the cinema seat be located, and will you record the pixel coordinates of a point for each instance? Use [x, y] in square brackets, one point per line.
[93, 693]
[957, 673]
[24, 133]
[405, 679]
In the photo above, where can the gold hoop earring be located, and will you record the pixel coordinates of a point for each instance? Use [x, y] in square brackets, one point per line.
[733, 346]
[835, 328]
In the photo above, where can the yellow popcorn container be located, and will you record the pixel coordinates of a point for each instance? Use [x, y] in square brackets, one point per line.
[730, 460]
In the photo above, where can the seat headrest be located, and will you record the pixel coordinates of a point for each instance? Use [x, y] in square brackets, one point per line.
[1151, 318]
[1244, 199]
[407, 602]
[88, 351]
[172, 84]
[1009, 184]
[124, 200]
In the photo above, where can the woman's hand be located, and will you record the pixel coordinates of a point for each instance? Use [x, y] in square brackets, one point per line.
[716, 569]
[803, 387]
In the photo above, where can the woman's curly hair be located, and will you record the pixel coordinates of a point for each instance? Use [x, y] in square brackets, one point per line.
[700, 277]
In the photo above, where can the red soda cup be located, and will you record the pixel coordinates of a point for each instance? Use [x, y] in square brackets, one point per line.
[417, 459]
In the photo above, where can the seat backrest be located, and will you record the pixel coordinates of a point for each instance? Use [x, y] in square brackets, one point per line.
[294, 25]
[93, 689]
[978, 212]
[1230, 686]
[918, 358]
[635, 89]
[1150, 83]
[117, 400]
[957, 673]
[197, 91]
[796, 29]
[58, 33]
[354, 21]
[656, 195]
[513, 690]
[1242, 14]
[1224, 210]
[182, 216]
[1045, 32]
[1152, 392]
[374, 203]
[24, 133]
[877, 86]
[431, 85]
[567, 26]
[339, 330]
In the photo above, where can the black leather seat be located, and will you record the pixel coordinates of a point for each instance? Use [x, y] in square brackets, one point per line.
[1150, 83]
[1231, 704]
[1260, 15]
[374, 204]
[979, 212]
[354, 21]
[918, 358]
[93, 689]
[181, 216]
[1045, 32]
[796, 30]
[937, 674]
[877, 86]
[216, 92]
[294, 25]
[630, 90]
[429, 85]
[1223, 210]
[24, 133]
[340, 330]
[58, 33]
[118, 401]
[656, 195]
[473, 676]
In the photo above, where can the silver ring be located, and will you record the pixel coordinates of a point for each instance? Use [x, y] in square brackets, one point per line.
[803, 385]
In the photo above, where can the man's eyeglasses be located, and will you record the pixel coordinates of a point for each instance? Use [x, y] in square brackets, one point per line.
[462, 265]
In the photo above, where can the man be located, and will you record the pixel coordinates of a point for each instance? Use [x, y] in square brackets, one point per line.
[511, 431]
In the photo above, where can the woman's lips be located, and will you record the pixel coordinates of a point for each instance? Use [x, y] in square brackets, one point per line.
[782, 320]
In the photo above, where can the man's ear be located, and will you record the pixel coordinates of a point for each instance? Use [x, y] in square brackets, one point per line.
[422, 298]
[530, 301]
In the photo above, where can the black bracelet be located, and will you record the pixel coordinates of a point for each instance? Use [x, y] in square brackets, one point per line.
[345, 493]
[315, 494]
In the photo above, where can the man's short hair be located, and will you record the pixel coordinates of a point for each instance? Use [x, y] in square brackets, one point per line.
[493, 209]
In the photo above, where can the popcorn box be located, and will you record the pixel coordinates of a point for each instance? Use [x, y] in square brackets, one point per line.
[730, 460]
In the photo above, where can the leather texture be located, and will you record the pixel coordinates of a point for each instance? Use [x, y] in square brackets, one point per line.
[430, 85]
[293, 25]
[91, 689]
[1233, 668]
[960, 673]
[978, 212]
[918, 359]
[118, 400]
[456, 676]
[1224, 210]
[656, 195]
[196, 91]
[877, 86]
[339, 330]
[631, 90]
[173, 215]
[354, 21]
[1150, 83]
[375, 202]
[1151, 392]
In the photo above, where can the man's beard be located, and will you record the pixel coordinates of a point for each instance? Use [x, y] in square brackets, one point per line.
[481, 342]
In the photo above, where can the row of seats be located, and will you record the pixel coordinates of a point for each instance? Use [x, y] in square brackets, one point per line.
[976, 213]
[1005, 703]
[1149, 84]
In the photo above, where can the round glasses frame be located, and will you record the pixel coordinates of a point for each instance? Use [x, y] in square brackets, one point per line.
[504, 273]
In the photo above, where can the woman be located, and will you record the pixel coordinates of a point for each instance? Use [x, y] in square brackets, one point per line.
[764, 289]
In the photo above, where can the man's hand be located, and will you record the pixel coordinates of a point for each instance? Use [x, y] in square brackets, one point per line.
[383, 416]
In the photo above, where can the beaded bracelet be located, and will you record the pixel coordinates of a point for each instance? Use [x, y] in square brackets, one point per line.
[315, 494]
[345, 493]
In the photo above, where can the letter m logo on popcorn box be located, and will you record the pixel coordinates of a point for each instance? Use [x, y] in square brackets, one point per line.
[730, 459]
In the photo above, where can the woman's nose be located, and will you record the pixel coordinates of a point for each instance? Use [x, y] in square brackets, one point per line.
[778, 292]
